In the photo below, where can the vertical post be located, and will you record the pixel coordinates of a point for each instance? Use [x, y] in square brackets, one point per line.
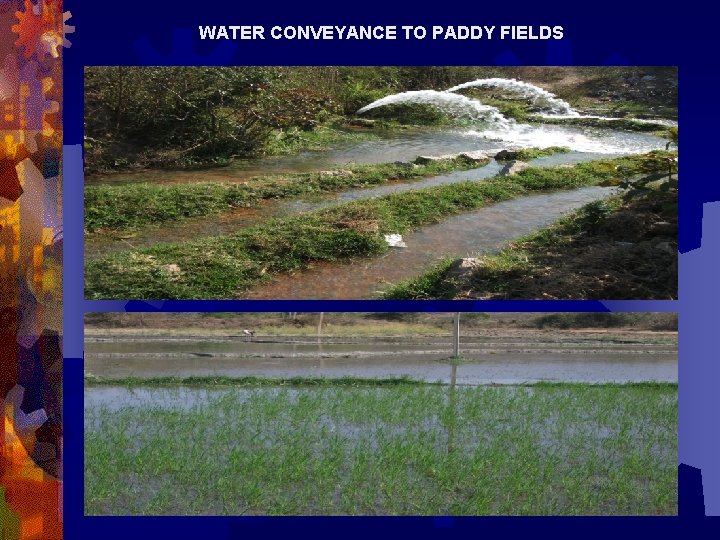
[456, 351]
[320, 323]
[319, 341]
[456, 336]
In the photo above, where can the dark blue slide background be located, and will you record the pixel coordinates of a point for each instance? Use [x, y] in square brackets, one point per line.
[161, 32]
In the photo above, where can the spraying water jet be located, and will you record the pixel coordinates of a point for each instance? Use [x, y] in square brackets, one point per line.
[537, 95]
[455, 105]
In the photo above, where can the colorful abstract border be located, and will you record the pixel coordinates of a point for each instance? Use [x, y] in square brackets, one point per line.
[32, 36]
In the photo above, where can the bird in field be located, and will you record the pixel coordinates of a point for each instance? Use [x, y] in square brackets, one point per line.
[249, 333]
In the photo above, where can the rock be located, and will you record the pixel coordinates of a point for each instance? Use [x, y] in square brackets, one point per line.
[362, 122]
[172, 270]
[404, 164]
[513, 167]
[663, 228]
[424, 160]
[341, 173]
[474, 157]
[667, 247]
[647, 78]
[461, 270]
[507, 155]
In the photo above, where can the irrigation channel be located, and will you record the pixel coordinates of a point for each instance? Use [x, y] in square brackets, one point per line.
[471, 234]
[485, 360]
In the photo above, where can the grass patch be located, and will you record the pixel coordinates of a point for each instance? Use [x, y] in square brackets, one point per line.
[329, 330]
[519, 111]
[608, 249]
[130, 206]
[526, 154]
[621, 124]
[399, 115]
[223, 267]
[295, 140]
[430, 285]
[391, 450]
[653, 321]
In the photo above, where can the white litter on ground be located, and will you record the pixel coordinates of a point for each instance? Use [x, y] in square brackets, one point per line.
[395, 240]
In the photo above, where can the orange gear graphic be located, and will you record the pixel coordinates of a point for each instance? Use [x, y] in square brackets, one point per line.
[42, 31]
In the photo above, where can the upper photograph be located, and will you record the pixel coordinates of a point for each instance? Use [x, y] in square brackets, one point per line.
[381, 183]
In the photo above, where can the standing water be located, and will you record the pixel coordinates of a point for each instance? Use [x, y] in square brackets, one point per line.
[486, 359]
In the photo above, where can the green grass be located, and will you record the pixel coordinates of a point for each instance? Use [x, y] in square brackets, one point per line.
[294, 140]
[392, 450]
[622, 124]
[125, 207]
[516, 110]
[526, 154]
[428, 286]
[224, 267]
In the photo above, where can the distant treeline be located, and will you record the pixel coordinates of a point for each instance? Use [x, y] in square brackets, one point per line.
[158, 116]
[644, 321]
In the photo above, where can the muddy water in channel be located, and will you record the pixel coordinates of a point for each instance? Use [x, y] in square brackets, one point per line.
[499, 361]
[586, 145]
[474, 233]
[238, 218]
[234, 220]
[405, 145]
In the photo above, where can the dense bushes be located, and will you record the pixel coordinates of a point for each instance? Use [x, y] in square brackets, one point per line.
[180, 115]
[170, 116]
[160, 116]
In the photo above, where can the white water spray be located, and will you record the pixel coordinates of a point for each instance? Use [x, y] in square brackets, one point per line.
[493, 126]
[539, 97]
[534, 136]
[454, 104]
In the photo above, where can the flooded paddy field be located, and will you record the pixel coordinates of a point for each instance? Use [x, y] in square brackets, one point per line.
[484, 359]
[402, 450]
[187, 414]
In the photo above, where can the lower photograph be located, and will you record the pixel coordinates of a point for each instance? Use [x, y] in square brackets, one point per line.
[381, 414]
